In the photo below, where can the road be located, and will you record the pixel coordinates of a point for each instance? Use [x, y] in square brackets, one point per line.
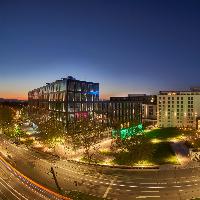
[104, 182]
[15, 186]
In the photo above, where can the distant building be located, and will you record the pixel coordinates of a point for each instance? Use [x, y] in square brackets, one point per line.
[125, 110]
[179, 108]
[115, 112]
[148, 106]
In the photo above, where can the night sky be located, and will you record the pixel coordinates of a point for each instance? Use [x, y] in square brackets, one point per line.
[127, 46]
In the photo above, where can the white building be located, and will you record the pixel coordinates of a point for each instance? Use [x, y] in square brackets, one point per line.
[179, 108]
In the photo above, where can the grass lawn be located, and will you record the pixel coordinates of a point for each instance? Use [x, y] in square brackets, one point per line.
[159, 150]
[164, 133]
[163, 154]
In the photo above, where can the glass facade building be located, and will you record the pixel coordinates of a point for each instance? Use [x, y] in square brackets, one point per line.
[67, 99]
[118, 111]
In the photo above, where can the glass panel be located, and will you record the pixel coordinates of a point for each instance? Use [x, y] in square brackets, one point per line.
[89, 97]
[70, 107]
[83, 97]
[77, 107]
[71, 85]
[77, 97]
[70, 96]
[78, 86]
[71, 117]
[62, 86]
[84, 107]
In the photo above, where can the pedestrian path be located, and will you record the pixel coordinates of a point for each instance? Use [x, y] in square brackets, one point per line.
[181, 152]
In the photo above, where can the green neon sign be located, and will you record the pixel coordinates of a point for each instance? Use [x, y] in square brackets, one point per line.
[128, 132]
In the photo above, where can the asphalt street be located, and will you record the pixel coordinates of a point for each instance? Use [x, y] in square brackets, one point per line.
[15, 186]
[103, 182]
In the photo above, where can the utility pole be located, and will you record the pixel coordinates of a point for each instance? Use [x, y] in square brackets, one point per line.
[55, 179]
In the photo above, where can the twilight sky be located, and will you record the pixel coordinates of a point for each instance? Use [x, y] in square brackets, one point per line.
[128, 46]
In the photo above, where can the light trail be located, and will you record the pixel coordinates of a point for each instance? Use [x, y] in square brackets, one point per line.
[33, 184]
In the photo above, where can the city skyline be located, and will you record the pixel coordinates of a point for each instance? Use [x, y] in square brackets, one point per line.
[99, 99]
[128, 47]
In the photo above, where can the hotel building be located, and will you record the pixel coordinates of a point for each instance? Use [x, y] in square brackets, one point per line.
[179, 108]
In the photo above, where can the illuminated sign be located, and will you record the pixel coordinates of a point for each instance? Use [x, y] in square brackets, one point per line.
[128, 132]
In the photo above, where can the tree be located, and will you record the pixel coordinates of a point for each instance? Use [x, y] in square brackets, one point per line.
[86, 134]
[51, 131]
[72, 134]
[24, 113]
[138, 147]
[7, 118]
[18, 132]
[132, 142]
[193, 139]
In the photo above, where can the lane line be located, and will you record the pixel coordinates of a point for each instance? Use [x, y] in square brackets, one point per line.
[143, 197]
[14, 189]
[9, 190]
[41, 188]
[108, 189]
[163, 183]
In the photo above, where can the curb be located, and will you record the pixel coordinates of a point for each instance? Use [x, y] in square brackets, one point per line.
[116, 166]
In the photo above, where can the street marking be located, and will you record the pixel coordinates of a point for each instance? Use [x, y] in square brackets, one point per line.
[176, 182]
[153, 183]
[9, 190]
[150, 191]
[155, 187]
[143, 197]
[13, 189]
[108, 189]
